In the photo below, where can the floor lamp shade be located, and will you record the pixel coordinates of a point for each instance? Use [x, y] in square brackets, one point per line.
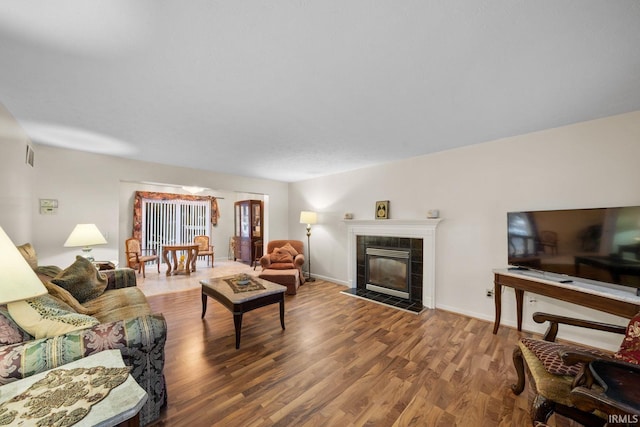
[17, 280]
[307, 217]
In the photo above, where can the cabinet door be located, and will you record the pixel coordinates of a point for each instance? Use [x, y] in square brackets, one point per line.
[256, 219]
[244, 220]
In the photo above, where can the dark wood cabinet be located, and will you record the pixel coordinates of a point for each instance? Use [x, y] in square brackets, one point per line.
[248, 230]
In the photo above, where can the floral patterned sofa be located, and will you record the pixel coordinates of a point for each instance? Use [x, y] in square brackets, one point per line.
[116, 316]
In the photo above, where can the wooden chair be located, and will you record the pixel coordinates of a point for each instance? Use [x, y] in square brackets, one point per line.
[204, 248]
[137, 257]
[558, 374]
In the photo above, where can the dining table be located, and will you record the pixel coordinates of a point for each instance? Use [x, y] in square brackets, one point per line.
[189, 264]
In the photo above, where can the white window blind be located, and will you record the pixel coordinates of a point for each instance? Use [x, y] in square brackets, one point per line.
[173, 222]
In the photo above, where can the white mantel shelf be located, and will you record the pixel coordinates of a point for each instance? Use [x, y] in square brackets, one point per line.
[424, 229]
[392, 222]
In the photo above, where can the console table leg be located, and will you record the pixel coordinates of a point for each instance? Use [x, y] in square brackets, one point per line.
[519, 305]
[497, 299]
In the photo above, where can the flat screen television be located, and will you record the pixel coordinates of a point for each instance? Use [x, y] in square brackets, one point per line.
[600, 244]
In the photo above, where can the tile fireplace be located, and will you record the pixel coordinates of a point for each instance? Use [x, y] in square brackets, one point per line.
[406, 251]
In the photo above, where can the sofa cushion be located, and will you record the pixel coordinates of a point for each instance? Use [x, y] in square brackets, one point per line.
[46, 316]
[118, 304]
[82, 280]
[630, 348]
[10, 332]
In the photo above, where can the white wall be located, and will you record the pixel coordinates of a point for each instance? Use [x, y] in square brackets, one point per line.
[590, 164]
[17, 179]
[99, 189]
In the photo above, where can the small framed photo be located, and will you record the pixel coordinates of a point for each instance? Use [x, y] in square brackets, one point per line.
[382, 209]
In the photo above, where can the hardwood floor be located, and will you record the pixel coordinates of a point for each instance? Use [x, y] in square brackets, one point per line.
[341, 361]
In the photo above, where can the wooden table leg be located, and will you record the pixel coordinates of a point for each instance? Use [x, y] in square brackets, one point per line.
[165, 257]
[204, 305]
[519, 305]
[282, 311]
[237, 322]
[193, 253]
[497, 299]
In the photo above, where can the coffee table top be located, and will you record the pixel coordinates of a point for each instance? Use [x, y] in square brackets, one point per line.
[224, 286]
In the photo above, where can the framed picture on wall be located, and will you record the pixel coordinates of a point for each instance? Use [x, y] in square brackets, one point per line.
[382, 209]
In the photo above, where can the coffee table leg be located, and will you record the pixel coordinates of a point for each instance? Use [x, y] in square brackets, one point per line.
[282, 311]
[237, 322]
[204, 305]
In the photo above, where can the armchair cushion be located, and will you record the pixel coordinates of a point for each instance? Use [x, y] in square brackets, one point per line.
[630, 348]
[82, 280]
[548, 353]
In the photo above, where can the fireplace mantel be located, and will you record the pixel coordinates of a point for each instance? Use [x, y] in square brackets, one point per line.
[424, 229]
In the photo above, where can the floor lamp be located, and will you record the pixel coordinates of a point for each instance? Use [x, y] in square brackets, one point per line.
[307, 217]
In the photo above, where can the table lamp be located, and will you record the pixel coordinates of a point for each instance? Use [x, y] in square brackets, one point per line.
[85, 235]
[308, 217]
[18, 281]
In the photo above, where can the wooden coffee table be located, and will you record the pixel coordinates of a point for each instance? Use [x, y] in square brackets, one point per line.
[240, 299]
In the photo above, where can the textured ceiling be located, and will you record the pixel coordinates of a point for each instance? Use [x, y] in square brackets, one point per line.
[291, 90]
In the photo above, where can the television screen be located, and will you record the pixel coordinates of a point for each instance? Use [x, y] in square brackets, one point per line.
[601, 244]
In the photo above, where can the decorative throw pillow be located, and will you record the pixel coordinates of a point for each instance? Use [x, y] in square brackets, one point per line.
[48, 271]
[290, 249]
[10, 332]
[281, 255]
[65, 296]
[46, 316]
[29, 253]
[82, 280]
[630, 348]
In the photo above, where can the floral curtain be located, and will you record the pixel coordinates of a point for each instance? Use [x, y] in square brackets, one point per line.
[137, 207]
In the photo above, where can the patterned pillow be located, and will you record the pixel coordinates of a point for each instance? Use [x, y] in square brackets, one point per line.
[10, 332]
[630, 348]
[82, 280]
[549, 355]
[46, 316]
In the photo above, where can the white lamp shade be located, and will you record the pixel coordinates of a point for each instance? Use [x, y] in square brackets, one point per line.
[85, 235]
[17, 280]
[308, 217]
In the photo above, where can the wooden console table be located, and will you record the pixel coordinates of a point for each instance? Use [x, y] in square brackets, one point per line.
[190, 263]
[616, 301]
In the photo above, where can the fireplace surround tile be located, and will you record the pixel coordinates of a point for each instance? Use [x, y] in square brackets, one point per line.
[414, 245]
